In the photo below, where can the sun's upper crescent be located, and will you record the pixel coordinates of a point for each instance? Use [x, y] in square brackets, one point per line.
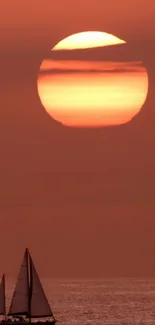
[87, 39]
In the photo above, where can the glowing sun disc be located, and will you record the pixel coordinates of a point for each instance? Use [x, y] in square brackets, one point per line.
[88, 39]
[79, 90]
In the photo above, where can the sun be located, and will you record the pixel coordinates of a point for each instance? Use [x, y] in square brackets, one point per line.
[83, 82]
[88, 39]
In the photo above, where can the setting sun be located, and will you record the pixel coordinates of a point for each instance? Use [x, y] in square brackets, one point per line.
[87, 40]
[81, 89]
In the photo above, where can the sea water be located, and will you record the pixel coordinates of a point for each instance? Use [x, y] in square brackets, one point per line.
[99, 301]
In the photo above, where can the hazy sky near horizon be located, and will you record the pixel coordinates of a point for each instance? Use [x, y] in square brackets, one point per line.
[83, 201]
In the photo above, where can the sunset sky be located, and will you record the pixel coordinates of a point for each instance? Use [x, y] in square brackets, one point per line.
[82, 200]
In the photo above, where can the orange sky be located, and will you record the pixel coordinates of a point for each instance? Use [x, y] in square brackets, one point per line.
[82, 200]
[130, 19]
[44, 12]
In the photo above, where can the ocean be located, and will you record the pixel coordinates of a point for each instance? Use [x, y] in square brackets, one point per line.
[99, 301]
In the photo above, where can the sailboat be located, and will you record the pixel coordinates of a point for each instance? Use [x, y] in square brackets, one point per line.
[28, 298]
[2, 298]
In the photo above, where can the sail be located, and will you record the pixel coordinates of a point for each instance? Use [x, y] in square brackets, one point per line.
[2, 296]
[39, 306]
[19, 303]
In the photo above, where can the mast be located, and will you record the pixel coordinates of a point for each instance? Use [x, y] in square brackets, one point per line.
[28, 284]
[30, 279]
[4, 297]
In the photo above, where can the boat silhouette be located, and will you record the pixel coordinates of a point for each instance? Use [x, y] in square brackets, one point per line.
[29, 301]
